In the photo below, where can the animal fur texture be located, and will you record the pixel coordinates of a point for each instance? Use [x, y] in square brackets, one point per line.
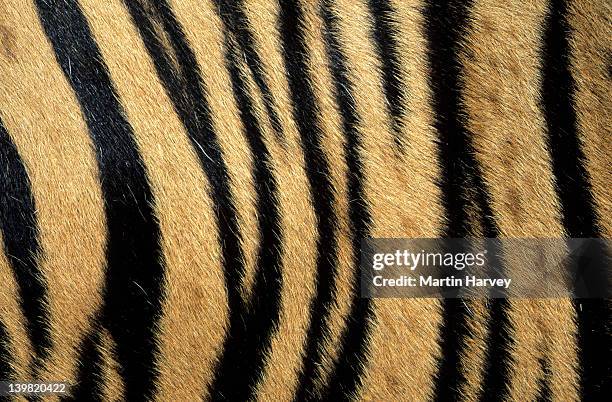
[184, 185]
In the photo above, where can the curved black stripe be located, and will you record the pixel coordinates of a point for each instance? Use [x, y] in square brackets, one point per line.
[573, 188]
[19, 229]
[134, 272]
[384, 35]
[6, 371]
[235, 20]
[249, 338]
[305, 114]
[249, 331]
[186, 90]
[445, 28]
[568, 161]
[348, 370]
[89, 369]
[498, 355]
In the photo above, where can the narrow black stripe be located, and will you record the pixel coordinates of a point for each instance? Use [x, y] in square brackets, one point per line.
[89, 369]
[451, 338]
[19, 229]
[384, 33]
[244, 347]
[573, 187]
[498, 355]
[6, 371]
[235, 20]
[305, 114]
[568, 161]
[445, 28]
[186, 90]
[134, 272]
[347, 373]
[248, 339]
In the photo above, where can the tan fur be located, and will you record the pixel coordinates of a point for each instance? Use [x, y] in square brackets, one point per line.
[203, 30]
[333, 142]
[590, 43]
[509, 136]
[297, 222]
[60, 161]
[112, 389]
[500, 60]
[398, 209]
[473, 357]
[182, 207]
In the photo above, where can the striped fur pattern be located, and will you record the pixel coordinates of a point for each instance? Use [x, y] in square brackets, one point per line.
[184, 185]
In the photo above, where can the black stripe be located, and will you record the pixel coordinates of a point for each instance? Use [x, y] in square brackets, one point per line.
[445, 29]
[187, 92]
[134, 272]
[453, 331]
[305, 114]
[249, 338]
[558, 92]
[89, 369]
[6, 371]
[384, 33]
[235, 21]
[498, 356]
[573, 187]
[595, 348]
[354, 351]
[239, 365]
[19, 229]
[353, 354]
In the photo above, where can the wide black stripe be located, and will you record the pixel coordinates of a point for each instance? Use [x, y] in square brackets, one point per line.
[595, 348]
[305, 114]
[445, 29]
[134, 272]
[6, 371]
[19, 229]
[384, 33]
[573, 188]
[248, 339]
[347, 373]
[235, 21]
